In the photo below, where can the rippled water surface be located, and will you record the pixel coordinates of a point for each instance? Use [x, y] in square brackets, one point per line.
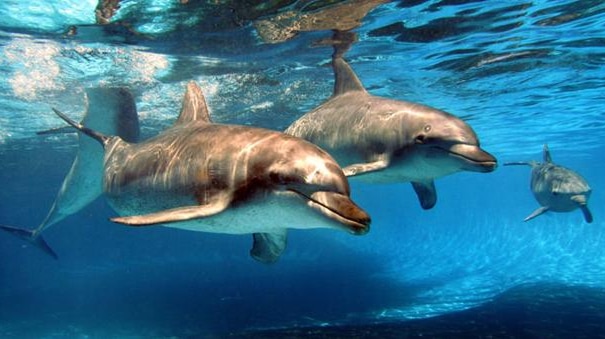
[522, 73]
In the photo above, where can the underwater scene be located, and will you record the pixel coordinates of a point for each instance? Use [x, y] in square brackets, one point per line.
[302, 169]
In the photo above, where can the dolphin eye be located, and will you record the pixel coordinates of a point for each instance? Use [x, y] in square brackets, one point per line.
[422, 138]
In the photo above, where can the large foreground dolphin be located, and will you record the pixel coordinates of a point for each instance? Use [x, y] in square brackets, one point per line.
[110, 110]
[557, 188]
[202, 176]
[390, 141]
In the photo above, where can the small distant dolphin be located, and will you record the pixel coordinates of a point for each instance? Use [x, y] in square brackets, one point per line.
[207, 177]
[110, 110]
[557, 188]
[390, 141]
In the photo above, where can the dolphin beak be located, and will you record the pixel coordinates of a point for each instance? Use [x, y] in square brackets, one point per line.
[342, 209]
[474, 158]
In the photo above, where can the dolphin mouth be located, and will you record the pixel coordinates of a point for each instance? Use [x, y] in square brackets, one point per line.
[340, 208]
[475, 158]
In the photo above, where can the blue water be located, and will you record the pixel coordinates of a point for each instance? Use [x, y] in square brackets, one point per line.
[521, 73]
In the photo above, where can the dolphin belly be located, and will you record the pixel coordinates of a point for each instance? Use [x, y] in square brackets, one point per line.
[264, 213]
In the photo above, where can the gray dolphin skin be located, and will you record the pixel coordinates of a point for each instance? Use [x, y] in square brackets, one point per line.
[381, 140]
[111, 110]
[208, 177]
[557, 188]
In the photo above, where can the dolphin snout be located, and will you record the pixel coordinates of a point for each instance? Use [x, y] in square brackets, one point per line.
[474, 158]
[342, 209]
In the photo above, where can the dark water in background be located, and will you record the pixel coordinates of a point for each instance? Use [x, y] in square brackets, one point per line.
[522, 73]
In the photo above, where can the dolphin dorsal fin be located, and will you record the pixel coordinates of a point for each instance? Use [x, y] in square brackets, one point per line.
[346, 79]
[194, 106]
[546, 154]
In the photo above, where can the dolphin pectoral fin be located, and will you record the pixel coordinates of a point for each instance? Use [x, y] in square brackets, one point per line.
[587, 213]
[357, 169]
[172, 215]
[32, 237]
[268, 247]
[426, 192]
[536, 213]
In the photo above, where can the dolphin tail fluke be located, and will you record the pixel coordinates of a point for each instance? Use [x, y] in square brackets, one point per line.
[56, 130]
[91, 133]
[587, 213]
[32, 237]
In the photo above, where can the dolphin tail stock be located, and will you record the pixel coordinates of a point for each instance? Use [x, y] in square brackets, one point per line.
[31, 236]
[91, 133]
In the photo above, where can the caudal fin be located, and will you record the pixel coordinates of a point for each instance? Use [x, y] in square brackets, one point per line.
[32, 237]
[91, 133]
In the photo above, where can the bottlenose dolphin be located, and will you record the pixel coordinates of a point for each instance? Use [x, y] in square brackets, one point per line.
[390, 141]
[557, 188]
[110, 110]
[208, 177]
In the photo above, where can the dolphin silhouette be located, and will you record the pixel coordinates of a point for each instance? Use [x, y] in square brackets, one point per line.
[232, 179]
[381, 140]
[110, 110]
[557, 188]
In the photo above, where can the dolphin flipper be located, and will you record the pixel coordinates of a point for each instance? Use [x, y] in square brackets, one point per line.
[357, 169]
[31, 236]
[174, 214]
[587, 213]
[426, 192]
[268, 247]
[536, 213]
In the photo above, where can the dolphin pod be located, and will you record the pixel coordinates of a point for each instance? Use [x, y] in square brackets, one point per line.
[110, 110]
[381, 140]
[208, 177]
[232, 179]
[557, 188]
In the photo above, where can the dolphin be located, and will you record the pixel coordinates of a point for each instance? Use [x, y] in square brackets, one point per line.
[382, 140]
[557, 188]
[203, 176]
[111, 110]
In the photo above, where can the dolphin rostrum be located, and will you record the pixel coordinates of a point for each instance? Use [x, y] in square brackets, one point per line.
[557, 188]
[208, 177]
[110, 110]
[388, 141]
